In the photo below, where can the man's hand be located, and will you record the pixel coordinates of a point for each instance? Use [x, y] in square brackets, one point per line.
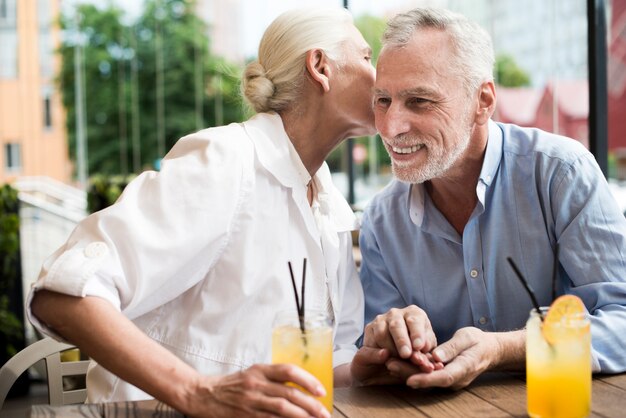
[368, 367]
[466, 355]
[400, 334]
[403, 332]
[258, 392]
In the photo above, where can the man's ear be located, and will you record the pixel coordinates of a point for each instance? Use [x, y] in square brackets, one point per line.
[318, 66]
[486, 102]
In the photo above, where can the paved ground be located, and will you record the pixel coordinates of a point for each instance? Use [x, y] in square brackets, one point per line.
[18, 407]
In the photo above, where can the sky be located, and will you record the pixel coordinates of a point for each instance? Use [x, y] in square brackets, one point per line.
[258, 14]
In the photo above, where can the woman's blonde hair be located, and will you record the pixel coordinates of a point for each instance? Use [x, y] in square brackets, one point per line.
[273, 81]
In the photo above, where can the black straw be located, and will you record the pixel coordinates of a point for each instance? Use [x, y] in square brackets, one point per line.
[526, 286]
[555, 271]
[301, 313]
[299, 306]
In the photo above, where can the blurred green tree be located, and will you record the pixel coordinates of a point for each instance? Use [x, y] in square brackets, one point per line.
[509, 74]
[372, 28]
[146, 83]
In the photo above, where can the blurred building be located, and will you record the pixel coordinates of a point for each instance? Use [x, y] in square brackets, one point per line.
[617, 81]
[561, 107]
[547, 38]
[33, 140]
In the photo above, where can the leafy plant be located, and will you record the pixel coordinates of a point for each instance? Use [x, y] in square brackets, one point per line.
[11, 326]
[104, 190]
[147, 82]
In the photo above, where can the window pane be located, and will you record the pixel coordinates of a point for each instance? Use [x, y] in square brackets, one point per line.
[8, 39]
[12, 157]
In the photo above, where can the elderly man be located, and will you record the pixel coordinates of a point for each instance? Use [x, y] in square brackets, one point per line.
[443, 302]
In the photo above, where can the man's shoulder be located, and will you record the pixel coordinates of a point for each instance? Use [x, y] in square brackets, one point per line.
[393, 198]
[530, 141]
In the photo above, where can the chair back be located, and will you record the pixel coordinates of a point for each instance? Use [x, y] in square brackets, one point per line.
[48, 350]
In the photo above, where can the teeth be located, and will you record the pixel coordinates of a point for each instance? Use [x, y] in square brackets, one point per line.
[407, 150]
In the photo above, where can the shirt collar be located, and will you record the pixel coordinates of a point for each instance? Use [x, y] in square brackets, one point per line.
[491, 163]
[277, 155]
[275, 151]
[493, 154]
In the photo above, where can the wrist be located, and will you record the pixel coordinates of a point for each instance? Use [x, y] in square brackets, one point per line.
[195, 394]
[511, 350]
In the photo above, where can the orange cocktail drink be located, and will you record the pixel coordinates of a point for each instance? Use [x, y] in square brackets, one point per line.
[311, 350]
[558, 361]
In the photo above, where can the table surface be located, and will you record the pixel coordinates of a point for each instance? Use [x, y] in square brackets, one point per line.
[493, 395]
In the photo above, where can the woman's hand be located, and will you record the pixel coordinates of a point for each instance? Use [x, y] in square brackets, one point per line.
[258, 391]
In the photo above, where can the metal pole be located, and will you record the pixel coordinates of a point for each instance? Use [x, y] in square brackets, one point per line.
[598, 95]
[79, 100]
[349, 148]
[160, 87]
[134, 102]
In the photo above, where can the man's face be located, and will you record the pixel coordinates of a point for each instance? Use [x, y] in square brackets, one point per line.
[422, 109]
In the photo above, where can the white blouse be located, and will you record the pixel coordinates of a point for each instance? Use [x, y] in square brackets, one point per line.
[196, 254]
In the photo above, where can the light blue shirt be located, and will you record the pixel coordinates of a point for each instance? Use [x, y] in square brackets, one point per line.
[535, 189]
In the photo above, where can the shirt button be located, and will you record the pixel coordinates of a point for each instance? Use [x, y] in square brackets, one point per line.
[95, 249]
[474, 273]
[482, 320]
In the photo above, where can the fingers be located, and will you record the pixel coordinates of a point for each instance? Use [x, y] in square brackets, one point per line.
[377, 334]
[454, 375]
[465, 355]
[401, 331]
[369, 363]
[424, 362]
[288, 401]
[265, 390]
[462, 340]
[289, 373]
[421, 334]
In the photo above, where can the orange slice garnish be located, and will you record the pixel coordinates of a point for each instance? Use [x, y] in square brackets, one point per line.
[564, 311]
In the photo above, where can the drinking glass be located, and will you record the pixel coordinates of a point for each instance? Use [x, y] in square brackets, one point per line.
[558, 371]
[312, 349]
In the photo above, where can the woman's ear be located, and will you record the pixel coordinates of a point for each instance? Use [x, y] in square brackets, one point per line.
[318, 66]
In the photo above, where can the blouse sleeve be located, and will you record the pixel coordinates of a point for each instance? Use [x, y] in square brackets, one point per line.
[163, 234]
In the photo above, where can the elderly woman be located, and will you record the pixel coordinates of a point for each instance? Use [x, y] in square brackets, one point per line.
[173, 289]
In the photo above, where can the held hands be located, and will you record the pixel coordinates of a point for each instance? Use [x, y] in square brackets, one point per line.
[399, 346]
[466, 355]
[259, 392]
[400, 335]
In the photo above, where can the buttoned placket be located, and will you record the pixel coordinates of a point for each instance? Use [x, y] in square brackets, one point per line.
[320, 208]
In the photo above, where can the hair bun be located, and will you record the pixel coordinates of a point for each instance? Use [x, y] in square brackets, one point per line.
[256, 87]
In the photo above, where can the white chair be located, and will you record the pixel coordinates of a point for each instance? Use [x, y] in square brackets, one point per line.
[48, 350]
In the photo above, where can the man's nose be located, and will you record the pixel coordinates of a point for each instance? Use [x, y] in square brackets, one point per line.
[394, 121]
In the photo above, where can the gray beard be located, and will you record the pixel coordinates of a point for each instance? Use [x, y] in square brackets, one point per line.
[435, 166]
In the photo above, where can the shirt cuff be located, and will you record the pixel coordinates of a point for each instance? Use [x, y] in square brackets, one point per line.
[343, 354]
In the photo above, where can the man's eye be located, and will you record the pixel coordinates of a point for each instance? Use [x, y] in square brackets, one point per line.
[382, 101]
[416, 101]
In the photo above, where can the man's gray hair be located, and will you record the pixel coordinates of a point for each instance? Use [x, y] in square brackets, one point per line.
[472, 44]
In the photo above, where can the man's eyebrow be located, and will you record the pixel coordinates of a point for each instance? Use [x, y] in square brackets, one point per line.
[416, 91]
[380, 92]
